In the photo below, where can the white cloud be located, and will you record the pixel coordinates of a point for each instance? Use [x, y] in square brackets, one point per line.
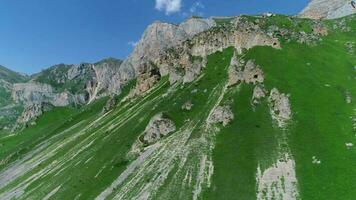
[132, 43]
[195, 10]
[196, 6]
[169, 6]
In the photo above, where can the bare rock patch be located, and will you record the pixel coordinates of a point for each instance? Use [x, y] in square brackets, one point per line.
[221, 114]
[187, 106]
[279, 107]
[258, 94]
[250, 73]
[158, 127]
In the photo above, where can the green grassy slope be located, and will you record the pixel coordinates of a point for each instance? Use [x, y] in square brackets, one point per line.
[83, 154]
[317, 77]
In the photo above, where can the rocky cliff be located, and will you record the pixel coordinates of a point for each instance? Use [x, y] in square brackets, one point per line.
[328, 9]
[157, 38]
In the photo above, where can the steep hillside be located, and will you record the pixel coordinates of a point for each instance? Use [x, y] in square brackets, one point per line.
[251, 108]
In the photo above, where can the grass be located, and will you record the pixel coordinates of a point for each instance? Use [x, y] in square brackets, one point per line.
[322, 117]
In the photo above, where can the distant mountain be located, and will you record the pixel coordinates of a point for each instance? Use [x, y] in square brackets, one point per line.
[11, 76]
[329, 9]
[65, 85]
[9, 111]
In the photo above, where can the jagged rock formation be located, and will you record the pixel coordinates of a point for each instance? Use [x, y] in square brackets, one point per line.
[158, 127]
[156, 39]
[185, 61]
[159, 37]
[328, 9]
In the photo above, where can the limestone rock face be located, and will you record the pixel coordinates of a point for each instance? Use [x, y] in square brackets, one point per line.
[193, 26]
[37, 93]
[181, 63]
[161, 36]
[221, 114]
[158, 127]
[328, 9]
[144, 83]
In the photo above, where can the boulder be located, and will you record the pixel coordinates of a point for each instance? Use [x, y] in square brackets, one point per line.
[221, 114]
[158, 127]
[187, 105]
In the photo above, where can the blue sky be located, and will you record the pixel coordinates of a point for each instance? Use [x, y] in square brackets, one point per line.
[36, 34]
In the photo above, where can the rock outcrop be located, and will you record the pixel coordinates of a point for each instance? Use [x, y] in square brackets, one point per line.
[280, 107]
[158, 37]
[188, 58]
[328, 9]
[110, 104]
[249, 73]
[158, 127]
[33, 111]
[221, 114]
[259, 92]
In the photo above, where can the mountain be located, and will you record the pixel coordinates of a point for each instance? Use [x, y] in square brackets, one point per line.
[247, 107]
[11, 76]
[8, 111]
[65, 85]
[329, 9]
